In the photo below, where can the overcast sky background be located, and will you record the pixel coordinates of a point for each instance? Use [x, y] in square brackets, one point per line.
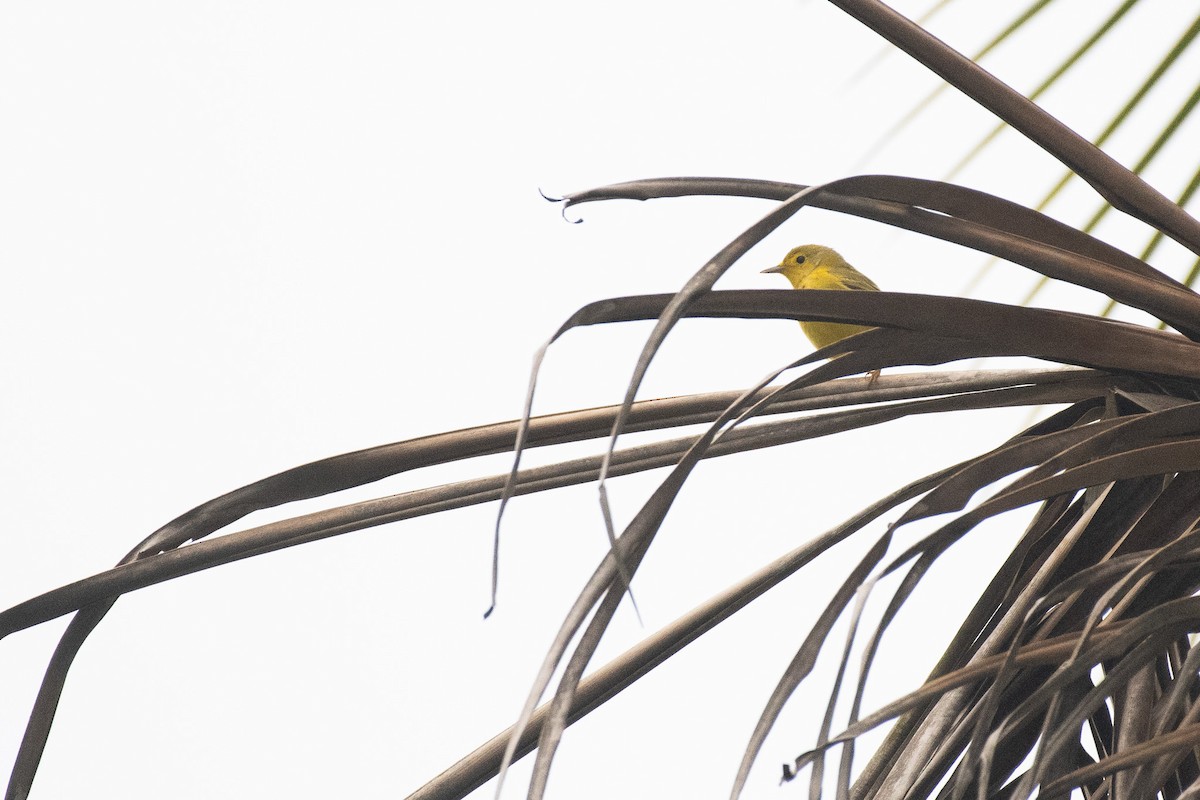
[238, 237]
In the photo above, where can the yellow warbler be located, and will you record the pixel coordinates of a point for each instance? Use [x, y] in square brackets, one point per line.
[812, 266]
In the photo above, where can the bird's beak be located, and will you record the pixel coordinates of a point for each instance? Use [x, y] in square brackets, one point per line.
[776, 268]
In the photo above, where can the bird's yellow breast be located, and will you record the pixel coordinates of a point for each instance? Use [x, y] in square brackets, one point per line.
[821, 278]
[826, 333]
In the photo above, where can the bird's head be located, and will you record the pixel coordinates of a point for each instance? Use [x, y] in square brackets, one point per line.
[802, 260]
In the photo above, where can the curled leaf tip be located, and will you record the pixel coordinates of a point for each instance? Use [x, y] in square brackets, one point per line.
[564, 215]
[566, 201]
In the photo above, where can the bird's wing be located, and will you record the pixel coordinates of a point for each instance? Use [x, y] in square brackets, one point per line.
[856, 281]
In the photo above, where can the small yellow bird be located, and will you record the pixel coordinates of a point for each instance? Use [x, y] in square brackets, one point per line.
[812, 266]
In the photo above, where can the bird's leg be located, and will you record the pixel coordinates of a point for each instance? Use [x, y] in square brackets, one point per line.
[872, 376]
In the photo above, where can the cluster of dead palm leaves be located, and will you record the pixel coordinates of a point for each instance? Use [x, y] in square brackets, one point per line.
[1083, 635]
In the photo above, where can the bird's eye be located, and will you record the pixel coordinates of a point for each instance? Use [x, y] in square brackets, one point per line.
[799, 259]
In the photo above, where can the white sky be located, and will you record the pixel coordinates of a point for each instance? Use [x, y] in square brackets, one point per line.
[238, 237]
